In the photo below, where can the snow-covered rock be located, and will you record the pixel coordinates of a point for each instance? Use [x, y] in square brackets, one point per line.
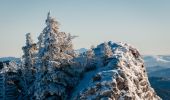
[123, 77]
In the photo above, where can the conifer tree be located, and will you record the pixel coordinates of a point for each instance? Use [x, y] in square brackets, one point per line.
[90, 60]
[90, 53]
[10, 89]
[54, 45]
[29, 51]
[2, 85]
[107, 51]
[55, 56]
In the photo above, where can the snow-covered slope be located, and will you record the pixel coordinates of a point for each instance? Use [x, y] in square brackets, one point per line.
[121, 76]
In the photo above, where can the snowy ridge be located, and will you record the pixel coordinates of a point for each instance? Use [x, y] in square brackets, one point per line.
[122, 78]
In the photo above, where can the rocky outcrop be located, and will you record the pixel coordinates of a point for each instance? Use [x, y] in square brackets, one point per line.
[122, 78]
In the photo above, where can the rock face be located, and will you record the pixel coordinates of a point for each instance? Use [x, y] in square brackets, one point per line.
[122, 77]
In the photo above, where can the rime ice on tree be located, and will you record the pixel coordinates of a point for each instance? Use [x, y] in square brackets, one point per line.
[29, 59]
[107, 50]
[56, 45]
[55, 55]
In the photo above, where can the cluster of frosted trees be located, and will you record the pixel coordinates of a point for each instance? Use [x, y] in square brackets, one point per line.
[47, 64]
[50, 68]
[10, 81]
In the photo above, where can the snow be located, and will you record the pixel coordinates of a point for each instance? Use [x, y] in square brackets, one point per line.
[125, 60]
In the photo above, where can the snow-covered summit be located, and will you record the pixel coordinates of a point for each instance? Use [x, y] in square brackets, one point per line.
[121, 76]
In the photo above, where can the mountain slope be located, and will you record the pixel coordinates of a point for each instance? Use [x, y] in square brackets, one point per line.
[161, 86]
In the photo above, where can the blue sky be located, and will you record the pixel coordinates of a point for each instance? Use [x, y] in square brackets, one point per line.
[143, 23]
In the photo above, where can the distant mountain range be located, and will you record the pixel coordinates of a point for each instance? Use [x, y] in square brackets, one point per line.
[151, 61]
[158, 69]
[10, 59]
[157, 66]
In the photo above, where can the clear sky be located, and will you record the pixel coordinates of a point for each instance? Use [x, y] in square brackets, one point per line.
[143, 23]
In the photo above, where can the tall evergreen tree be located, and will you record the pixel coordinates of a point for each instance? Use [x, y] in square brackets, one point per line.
[55, 56]
[107, 51]
[90, 61]
[9, 81]
[29, 51]
[54, 45]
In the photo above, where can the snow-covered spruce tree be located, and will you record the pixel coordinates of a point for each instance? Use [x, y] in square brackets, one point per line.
[29, 50]
[90, 60]
[107, 52]
[10, 81]
[55, 76]
[2, 82]
[53, 44]
[40, 44]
